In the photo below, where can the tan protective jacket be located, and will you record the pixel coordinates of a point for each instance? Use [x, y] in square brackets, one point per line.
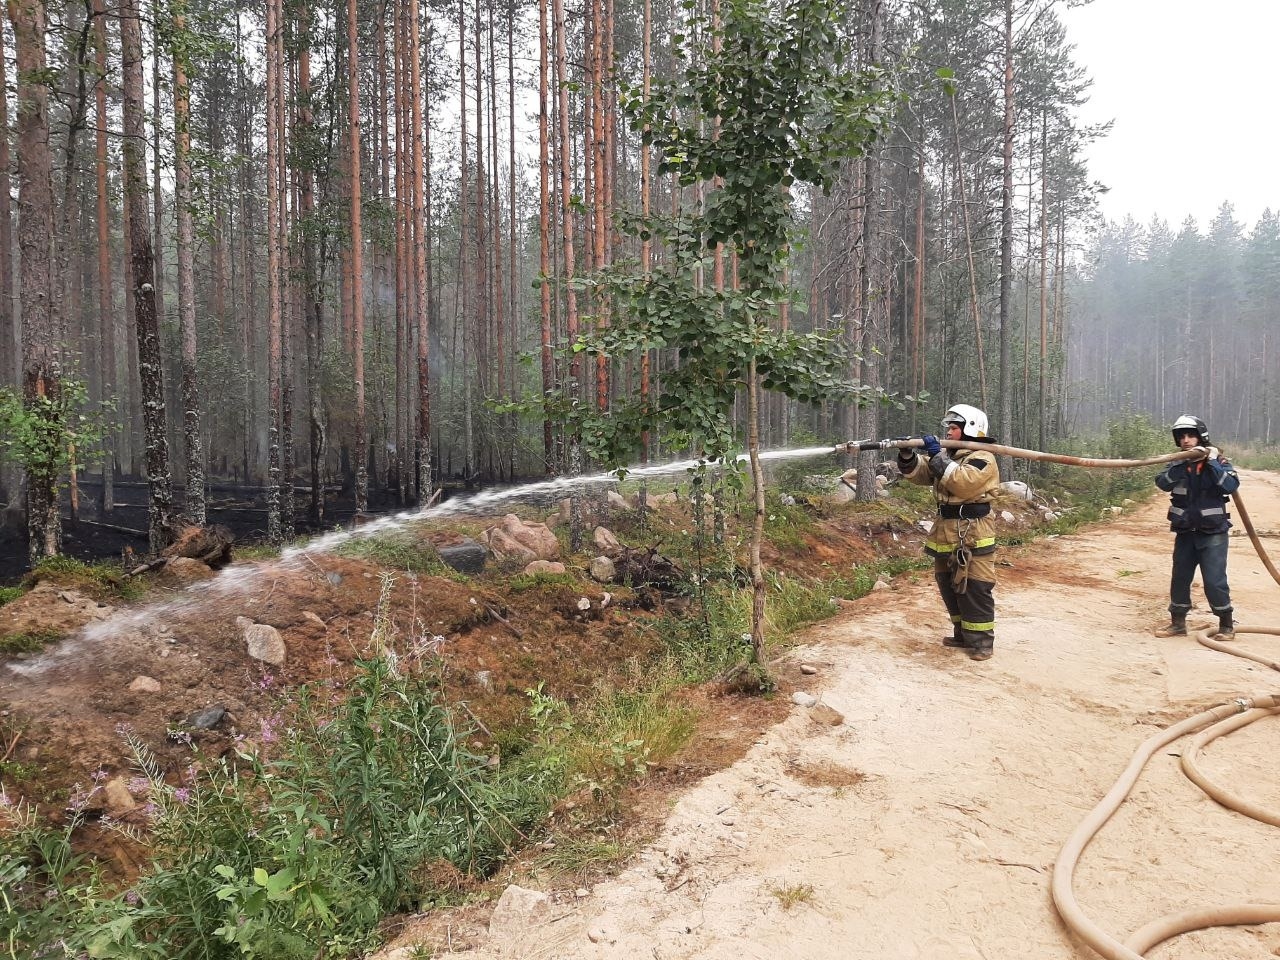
[972, 477]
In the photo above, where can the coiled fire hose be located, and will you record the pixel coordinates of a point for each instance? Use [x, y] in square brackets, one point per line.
[1207, 726]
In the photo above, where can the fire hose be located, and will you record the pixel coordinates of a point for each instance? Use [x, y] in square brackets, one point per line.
[1206, 727]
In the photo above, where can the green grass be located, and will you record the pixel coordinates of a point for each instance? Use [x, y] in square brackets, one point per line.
[29, 641]
[524, 582]
[398, 551]
[104, 581]
[791, 895]
[583, 857]
[9, 594]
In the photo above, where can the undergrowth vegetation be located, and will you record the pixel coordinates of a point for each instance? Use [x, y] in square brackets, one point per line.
[374, 796]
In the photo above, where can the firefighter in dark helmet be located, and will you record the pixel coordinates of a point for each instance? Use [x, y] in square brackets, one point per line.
[1198, 492]
[963, 540]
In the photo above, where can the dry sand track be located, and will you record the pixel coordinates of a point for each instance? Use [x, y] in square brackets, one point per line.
[928, 822]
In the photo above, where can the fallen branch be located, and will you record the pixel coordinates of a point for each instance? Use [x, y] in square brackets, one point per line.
[505, 622]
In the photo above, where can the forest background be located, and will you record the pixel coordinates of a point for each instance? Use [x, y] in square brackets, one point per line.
[310, 248]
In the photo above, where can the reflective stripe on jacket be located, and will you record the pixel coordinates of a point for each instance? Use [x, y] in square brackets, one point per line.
[1198, 492]
[972, 476]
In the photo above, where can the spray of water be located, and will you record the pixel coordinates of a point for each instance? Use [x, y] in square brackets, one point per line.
[240, 580]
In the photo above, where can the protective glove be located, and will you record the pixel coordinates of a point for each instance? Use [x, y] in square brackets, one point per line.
[931, 445]
[1214, 453]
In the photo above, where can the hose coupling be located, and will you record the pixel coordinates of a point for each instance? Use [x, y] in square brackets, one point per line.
[1243, 704]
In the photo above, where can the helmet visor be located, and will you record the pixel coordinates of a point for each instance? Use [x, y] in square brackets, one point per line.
[953, 420]
[1185, 432]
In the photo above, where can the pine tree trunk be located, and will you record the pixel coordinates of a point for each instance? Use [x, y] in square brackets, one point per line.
[544, 237]
[1006, 241]
[106, 316]
[275, 525]
[357, 261]
[422, 278]
[41, 372]
[10, 336]
[191, 410]
[142, 276]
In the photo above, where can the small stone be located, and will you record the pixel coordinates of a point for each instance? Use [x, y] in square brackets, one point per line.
[118, 798]
[821, 713]
[802, 699]
[601, 935]
[145, 684]
[206, 719]
[808, 669]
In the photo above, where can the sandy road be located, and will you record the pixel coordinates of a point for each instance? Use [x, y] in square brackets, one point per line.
[927, 823]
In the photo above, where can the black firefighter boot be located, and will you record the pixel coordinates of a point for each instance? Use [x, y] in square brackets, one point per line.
[981, 645]
[1176, 627]
[1226, 625]
[956, 639]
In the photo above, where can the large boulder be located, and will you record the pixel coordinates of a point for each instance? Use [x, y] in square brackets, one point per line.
[515, 539]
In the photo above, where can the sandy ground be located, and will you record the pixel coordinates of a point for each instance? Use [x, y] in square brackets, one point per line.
[926, 824]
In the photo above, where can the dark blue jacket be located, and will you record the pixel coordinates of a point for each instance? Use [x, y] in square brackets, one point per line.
[1198, 492]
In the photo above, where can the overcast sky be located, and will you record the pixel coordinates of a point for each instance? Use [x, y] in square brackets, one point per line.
[1193, 89]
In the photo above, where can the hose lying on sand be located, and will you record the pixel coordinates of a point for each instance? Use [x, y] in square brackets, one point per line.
[1207, 726]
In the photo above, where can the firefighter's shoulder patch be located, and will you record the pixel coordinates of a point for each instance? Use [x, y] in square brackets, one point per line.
[977, 463]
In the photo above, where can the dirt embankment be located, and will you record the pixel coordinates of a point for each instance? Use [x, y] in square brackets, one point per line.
[926, 824]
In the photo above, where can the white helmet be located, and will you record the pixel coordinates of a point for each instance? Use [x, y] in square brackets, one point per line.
[1185, 423]
[972, 421]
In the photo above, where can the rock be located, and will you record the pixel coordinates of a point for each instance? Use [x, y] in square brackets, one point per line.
[485, 680]
[313, 617]
[606, 542]
[601, 935]
[802, 699]
[616, 501]
[262, 641]
[115, 793]
[925, 525]
[1018, 489]
[1007, 517]
[145, 684]
[850, 476]
[829, 716]
[517, 909]
[514, 539]
[584, 604]
[206, 719]
[841, 493]
[465, 557]
[603, 570]
[880, 585]
[184, 570]
[545, 566]
[1048, 516]
[808, 669]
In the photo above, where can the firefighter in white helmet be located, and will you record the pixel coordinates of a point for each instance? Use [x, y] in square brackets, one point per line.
[963, 540]
[1198, 492]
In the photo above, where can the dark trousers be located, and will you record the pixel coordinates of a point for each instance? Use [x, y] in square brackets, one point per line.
[1208, 551]
[969, 594]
